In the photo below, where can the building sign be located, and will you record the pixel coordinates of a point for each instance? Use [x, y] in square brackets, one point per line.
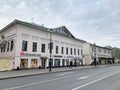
[72, 57]
[29, 54]
[58, 56]
[22, 53]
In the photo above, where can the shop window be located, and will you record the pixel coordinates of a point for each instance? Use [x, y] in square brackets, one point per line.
[57, 62]
[24, 46]
[34, 47]
[24, 63]
[33, 63]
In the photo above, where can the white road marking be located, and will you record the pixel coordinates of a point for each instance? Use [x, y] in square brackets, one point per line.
[59, 74]
[85, 77]
[31, 84]
[94, 81]
[82, 78]
[64, 73]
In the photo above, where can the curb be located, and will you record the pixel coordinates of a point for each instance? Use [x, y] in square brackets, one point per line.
[52, 72]
[45, 73]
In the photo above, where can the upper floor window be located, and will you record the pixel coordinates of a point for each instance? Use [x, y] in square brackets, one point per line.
[67, 50]
[12, 45]
[4, 46]
[108, 52]
[56, 49]
[74, 51]
[24, 46]
[71, 50]
[62, 50]
[8, 46]
[34, 47]
[99, 50]
[104, 51]
[43, 48]
[81, 52]
[78, 51]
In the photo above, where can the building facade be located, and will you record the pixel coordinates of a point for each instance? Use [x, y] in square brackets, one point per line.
[103, 55]
[26, 45]
[116, 54]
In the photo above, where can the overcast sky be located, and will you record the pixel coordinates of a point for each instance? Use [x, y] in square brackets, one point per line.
[95, 21]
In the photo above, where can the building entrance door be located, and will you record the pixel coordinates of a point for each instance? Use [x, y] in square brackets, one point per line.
[23, 63]
[43, 62]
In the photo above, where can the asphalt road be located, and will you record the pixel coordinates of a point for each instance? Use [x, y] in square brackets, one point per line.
[103, 78]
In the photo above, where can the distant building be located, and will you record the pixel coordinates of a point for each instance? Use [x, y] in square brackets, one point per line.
[103, 55]
[26, 45]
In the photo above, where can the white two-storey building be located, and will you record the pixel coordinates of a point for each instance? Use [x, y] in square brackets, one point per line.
[26, 45]
[103, 55]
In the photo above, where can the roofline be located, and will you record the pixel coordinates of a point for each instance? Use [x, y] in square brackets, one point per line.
[36, 26]
[100, 46]
[33, 25]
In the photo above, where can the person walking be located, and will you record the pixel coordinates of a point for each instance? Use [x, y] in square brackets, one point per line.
[71, 64]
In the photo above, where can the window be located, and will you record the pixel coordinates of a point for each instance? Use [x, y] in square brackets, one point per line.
[108, 52]
[81, 52]
[34, 47]
[8, 45]
[62, 32]
[56, 49]
[4, 47]
[74, 51]
[24, 46]
[104, 51]
[67, 50]
[43, 48]
[99, 50]
[78, 51]
[71, 51]
[12, 44]
[62, 50]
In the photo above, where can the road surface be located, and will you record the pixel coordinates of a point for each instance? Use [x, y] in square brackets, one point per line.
[103, 78]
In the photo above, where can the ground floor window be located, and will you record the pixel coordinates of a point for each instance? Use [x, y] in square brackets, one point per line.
[33, 63]
[57, 62]
[23, 63]
[63, 62]
[67, 62]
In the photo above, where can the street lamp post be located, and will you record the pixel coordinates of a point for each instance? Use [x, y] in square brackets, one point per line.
[50, 47]
[95, 54]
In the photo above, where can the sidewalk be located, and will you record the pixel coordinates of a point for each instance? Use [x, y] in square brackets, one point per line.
[32, 72]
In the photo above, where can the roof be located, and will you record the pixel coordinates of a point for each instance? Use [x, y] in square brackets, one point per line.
[100, 46]
[33, 25]
[69, 34]
[40, 27]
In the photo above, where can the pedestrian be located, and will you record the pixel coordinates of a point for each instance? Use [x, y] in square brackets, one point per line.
[70, 63]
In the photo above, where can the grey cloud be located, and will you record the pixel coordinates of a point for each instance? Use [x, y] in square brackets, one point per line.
[92, 20]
